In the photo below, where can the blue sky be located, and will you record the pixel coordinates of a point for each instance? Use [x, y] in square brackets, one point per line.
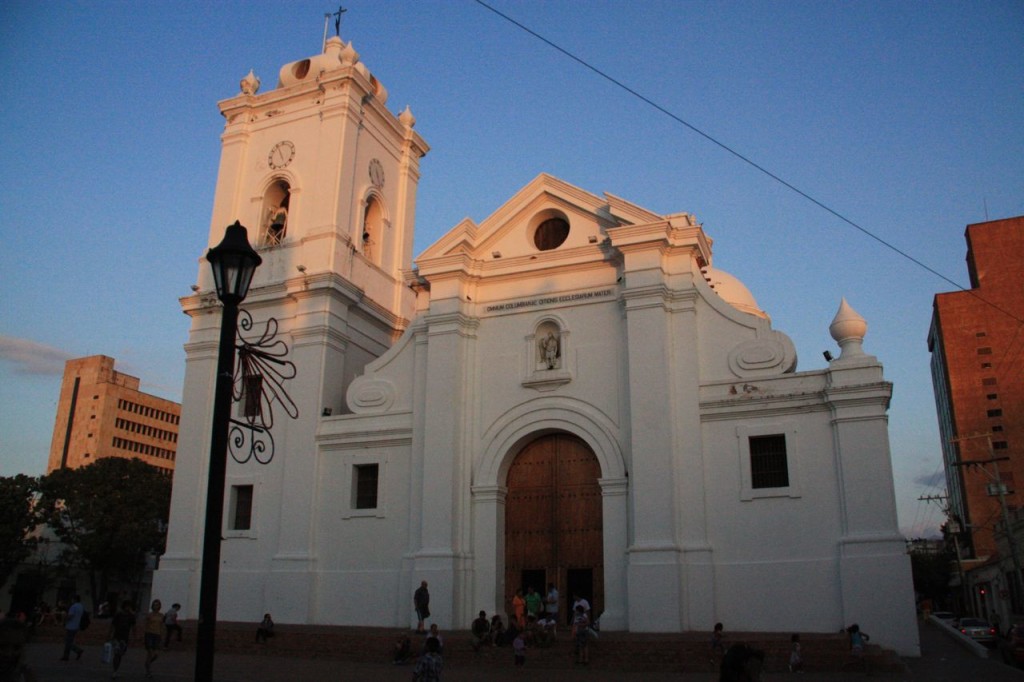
[905, 117]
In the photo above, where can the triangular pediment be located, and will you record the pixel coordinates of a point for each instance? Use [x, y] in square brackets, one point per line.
[509, 232]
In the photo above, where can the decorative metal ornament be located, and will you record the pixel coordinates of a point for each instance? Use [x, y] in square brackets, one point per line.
[258, 385]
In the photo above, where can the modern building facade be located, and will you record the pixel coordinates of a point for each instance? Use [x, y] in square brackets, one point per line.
[977, 359]
[102, 413]
[566, 392]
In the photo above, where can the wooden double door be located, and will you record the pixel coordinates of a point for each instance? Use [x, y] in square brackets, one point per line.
[553, 522]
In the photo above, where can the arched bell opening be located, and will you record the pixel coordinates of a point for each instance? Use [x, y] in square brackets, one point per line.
[276, 204]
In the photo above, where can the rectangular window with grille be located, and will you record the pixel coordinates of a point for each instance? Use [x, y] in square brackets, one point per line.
[365, 484]
[241, 507]
[768, 465]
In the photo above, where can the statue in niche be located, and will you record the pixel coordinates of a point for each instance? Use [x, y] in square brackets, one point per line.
[549, 350]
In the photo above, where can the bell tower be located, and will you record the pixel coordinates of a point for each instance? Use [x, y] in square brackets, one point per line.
[324, 177]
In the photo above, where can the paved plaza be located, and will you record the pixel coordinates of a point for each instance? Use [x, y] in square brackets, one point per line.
[942, 661]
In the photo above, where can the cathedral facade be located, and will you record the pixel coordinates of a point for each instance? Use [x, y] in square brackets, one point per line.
[568, 392]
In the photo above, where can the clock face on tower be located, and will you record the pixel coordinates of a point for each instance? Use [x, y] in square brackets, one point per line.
[377, 174]
[281, 154]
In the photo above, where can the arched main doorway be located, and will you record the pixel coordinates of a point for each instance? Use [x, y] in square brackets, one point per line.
[553, 522]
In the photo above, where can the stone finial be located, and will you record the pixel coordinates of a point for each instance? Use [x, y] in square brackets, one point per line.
[848, 328]
[348, 55]
[250, 85]
[406, 118]
[334, 46]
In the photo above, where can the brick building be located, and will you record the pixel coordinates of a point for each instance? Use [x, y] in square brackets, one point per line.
[977, 348]
[102, 413]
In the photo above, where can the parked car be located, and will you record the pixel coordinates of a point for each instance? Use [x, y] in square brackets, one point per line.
[947, 617]
[977, 629]
[1012, 647]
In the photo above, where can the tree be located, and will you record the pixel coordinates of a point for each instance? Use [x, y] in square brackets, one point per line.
[931, 573]
[109, 516]
[19, 516]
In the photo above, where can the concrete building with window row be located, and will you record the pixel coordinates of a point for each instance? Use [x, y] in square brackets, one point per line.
[102, 413]
[977, 351]
[569, 391]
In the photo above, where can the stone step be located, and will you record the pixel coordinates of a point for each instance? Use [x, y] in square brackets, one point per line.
[685, 652]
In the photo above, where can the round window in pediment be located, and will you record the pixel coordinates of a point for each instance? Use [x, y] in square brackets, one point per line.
[551, 234]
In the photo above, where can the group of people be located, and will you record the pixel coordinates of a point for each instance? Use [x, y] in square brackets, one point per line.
[742, 663]
[532, 622]
[158, 628]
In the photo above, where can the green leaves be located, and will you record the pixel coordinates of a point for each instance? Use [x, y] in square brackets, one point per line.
[109, 515]
[19, 517]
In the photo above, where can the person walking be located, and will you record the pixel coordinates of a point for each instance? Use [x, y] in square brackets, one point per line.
[581, 635]
[72, 624]
[717, 644]
[121, 626]
[519, 649]
[551, 603]
[14, 637]
[171, 624]
[421, 601]
[153, 630]
[796, 656]
[858, 642]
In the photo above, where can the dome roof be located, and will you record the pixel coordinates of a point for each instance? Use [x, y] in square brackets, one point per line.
[732, 291]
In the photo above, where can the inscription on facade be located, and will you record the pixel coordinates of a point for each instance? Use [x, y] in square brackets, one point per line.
[549, 300]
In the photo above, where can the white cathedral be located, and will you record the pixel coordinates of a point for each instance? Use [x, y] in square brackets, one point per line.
[568, 392]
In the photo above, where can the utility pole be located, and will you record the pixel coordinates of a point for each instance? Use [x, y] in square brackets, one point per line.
[954, 529]
[1000, 491]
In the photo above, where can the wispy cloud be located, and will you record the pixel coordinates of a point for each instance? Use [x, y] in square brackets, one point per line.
[936, 480]
[30, 357]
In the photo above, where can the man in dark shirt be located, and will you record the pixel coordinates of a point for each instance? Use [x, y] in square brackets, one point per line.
[421, 600]
[121, 626]
[481, 631]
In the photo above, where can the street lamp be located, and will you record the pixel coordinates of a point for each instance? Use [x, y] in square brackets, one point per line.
[233, 261]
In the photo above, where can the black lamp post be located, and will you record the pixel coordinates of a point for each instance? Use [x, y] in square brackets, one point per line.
[234, 261]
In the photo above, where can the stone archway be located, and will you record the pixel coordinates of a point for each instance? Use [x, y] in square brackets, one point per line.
[554, 529]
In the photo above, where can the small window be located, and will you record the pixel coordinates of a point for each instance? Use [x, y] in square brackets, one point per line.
[992, 396]
[999, 445]
[985, 351]
[988, 381]
[551, 234]
[365, 484]
[241, 507]
[768, 466]
[995, 413]
[986, 365]
[998, 428]
[980, 334]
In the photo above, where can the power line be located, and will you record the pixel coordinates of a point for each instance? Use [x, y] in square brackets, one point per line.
[611, 79]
